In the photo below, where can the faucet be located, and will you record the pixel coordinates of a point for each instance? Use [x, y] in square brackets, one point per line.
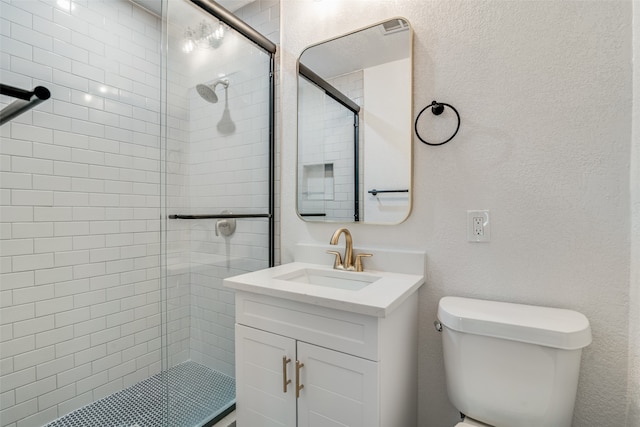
[348, 250]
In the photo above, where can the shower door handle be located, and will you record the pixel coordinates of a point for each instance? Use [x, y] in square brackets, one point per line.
[285, 381]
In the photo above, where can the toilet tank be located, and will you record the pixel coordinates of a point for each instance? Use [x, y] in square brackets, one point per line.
[512, 365]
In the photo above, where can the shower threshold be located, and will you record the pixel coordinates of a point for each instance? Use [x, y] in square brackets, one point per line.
[198, 397]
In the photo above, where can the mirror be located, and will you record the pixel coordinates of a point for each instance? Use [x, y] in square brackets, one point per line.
[354, 126]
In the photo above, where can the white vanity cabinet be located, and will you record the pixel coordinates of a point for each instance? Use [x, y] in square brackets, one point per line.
[333, 388]
[347, 369]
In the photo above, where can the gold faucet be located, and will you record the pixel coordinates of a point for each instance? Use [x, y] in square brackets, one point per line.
[348, 252]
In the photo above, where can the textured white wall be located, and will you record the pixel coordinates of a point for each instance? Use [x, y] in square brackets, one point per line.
[544, 91]
[633, 415]
[387, 130]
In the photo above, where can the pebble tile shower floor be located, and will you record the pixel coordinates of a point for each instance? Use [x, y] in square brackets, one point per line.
[196, 395]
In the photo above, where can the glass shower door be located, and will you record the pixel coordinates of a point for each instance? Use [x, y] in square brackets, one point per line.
[217, 202]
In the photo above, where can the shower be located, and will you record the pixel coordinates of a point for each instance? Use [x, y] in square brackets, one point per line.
[114, 311]
[225, 126]
[208, 91]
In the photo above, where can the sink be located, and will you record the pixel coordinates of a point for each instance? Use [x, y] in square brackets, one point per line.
[346, 280]
[371, 293]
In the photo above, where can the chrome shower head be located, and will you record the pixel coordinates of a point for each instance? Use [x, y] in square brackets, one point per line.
[208, 92]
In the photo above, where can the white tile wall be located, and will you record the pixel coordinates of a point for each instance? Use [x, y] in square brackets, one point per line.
[80, 182]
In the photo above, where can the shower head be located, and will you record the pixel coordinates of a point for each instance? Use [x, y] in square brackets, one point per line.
[208, 91]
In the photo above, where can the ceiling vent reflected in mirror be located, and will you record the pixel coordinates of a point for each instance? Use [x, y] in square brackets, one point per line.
[394, 26]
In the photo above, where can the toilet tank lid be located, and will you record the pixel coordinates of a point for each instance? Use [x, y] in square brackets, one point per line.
[551, 327]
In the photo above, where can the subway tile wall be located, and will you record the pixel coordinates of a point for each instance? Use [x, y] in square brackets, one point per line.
[80, 195]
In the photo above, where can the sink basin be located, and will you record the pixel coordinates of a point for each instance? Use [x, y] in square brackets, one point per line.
[347, 280]
[372, 293]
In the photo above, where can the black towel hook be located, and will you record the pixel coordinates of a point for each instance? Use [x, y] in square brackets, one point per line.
[437, 108]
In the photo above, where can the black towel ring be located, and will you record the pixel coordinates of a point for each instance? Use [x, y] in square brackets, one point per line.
[437, 108]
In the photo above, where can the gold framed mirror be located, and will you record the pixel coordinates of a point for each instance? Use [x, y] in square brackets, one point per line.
[354, 126]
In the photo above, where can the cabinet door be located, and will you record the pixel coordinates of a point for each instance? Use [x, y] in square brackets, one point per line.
[260, 397]
[339, 389]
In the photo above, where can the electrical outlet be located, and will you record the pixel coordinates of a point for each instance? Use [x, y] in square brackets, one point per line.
[478, 229]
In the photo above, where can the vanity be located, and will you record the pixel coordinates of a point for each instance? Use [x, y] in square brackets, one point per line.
[317, 346]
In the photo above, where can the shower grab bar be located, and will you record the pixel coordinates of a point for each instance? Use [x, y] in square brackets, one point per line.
[375, 192]
[26, 100]
[220, 216]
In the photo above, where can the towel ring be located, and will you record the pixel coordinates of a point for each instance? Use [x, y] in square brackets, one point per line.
[437, 108]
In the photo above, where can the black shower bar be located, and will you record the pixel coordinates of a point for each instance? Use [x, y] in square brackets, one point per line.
[236, 23]
[356, 167]
[272, 159]
[375, 192]
[26, 100]
[221, 216]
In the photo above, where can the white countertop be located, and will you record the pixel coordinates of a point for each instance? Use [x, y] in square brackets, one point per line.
[378, 299]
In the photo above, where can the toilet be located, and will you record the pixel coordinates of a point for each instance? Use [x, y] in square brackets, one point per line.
[511, 365]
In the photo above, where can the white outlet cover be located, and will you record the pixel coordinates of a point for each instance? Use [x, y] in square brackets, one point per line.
[485, 235]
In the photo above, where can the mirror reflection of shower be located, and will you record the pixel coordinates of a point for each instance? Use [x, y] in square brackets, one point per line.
[225, 126]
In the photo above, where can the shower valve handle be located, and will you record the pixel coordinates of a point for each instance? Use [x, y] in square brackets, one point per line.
[226, 226]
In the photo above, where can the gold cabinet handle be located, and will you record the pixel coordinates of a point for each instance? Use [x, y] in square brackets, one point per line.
[299, 386]
[285, 381]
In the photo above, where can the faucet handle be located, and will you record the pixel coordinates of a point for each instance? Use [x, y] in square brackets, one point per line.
[337, 263]
[359, 266]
